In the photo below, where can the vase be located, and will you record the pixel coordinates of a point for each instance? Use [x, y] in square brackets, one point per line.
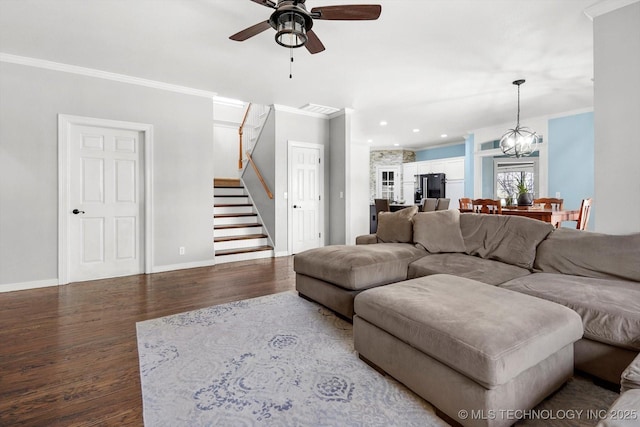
[525, 199]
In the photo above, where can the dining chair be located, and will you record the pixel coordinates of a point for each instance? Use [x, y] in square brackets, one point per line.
[583, 216]
[487, 206]
[466, 203]
[550, 203]
[429, 204]
[382, 205]
[443, 204]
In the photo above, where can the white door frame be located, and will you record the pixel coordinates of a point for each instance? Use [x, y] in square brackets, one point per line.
[320, 147]
[64, 147]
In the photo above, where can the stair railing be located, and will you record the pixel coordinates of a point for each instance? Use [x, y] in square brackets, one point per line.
[250, 129]
[240, 132]
[257, 171]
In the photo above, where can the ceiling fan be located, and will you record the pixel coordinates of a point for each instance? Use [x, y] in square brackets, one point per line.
[293, 22]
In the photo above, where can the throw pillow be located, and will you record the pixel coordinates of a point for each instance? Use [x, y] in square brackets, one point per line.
[396, 227]
[438, 231]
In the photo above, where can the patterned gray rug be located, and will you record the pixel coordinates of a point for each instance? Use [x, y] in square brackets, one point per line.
[280, 360]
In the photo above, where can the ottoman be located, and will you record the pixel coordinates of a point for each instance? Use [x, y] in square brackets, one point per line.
[334, 275]
[467, 346]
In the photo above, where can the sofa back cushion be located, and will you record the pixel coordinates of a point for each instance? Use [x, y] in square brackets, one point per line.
[510, 239]
[583, 253]
[438, 231]
[396, 227]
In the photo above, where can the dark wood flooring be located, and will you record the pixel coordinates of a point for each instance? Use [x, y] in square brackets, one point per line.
[68, 354]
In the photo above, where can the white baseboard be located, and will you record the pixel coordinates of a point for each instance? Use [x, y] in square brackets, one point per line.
[10, 287]
[171, 267]
[281, 254]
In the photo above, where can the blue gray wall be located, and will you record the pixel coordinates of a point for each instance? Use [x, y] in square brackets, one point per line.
[440, 152]
[571, 160]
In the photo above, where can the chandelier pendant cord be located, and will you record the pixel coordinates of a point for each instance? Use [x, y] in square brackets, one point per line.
[518, 116]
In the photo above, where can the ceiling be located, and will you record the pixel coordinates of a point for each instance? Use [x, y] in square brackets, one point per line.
[441, 66]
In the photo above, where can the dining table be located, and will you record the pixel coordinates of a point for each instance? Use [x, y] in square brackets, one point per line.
[552, 216]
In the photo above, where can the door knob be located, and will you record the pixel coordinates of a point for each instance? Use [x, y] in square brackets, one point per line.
[76, 212]
[296, 206]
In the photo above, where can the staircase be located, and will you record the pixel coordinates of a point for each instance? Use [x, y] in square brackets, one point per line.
[238, 234]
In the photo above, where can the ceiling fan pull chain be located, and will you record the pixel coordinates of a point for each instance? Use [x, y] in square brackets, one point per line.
[291, 63]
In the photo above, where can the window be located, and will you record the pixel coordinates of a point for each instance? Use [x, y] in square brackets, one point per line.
[509, 174]
[388, 180]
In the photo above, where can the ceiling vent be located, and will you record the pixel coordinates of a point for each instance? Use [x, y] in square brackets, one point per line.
[320, 109]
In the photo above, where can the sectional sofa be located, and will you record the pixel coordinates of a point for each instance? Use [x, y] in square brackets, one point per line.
[596, 275]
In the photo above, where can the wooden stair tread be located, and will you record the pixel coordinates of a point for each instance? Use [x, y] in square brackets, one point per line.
[232, 215]
[243, 250]
[240, 237]
[230, 195]
[226, 226]
[230, 182]
[231, 206]
[228, 186]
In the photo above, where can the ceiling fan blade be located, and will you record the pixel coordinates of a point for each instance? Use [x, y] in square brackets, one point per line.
[313, 44]
[251, 31]
[353, 12]
[267, 3]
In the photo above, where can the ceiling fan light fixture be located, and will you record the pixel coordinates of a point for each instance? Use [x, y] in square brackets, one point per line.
[291, 30]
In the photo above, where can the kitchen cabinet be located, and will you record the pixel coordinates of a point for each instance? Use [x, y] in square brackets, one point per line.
[454, 169]
[409, 172]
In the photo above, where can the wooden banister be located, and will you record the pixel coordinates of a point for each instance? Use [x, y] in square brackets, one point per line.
[240, 129]
[255, 168]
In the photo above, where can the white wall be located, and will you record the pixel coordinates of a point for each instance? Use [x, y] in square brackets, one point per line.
[616, 116]
[225, 151]
[226, 120]
[338, 180]
[358, 192]
[31, 99]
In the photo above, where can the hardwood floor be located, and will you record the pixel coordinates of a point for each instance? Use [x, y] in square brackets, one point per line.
[68, 354]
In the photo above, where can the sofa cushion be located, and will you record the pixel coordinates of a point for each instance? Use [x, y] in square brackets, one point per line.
[358, 267]
[610, 309]
[625, 411]
[484, 332]
[510, 239]
[630, 379]
[366, 239]
[472, 267]
[396, 227]
[583, 253]
[438, 231]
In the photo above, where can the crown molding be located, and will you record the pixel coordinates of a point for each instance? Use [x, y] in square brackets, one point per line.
[92, 72]
[606, 6]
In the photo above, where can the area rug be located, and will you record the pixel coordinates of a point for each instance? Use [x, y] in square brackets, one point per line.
[280, 360]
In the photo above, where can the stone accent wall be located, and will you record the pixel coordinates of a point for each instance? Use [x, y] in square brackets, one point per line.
[387, 158]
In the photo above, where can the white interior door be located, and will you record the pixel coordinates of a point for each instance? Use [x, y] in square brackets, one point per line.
[305, 197]
[106, 202]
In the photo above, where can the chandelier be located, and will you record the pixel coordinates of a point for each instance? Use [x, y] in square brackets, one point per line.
[519, 141]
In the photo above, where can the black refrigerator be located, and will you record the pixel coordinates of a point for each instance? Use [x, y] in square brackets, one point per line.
[431, 186]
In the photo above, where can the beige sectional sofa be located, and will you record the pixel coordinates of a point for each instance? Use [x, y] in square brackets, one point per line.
[596, 275]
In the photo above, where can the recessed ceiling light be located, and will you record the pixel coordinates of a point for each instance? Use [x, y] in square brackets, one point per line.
[396, 145]
[369, 141]
[444, 135]
[416, 130]
[383, 123]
